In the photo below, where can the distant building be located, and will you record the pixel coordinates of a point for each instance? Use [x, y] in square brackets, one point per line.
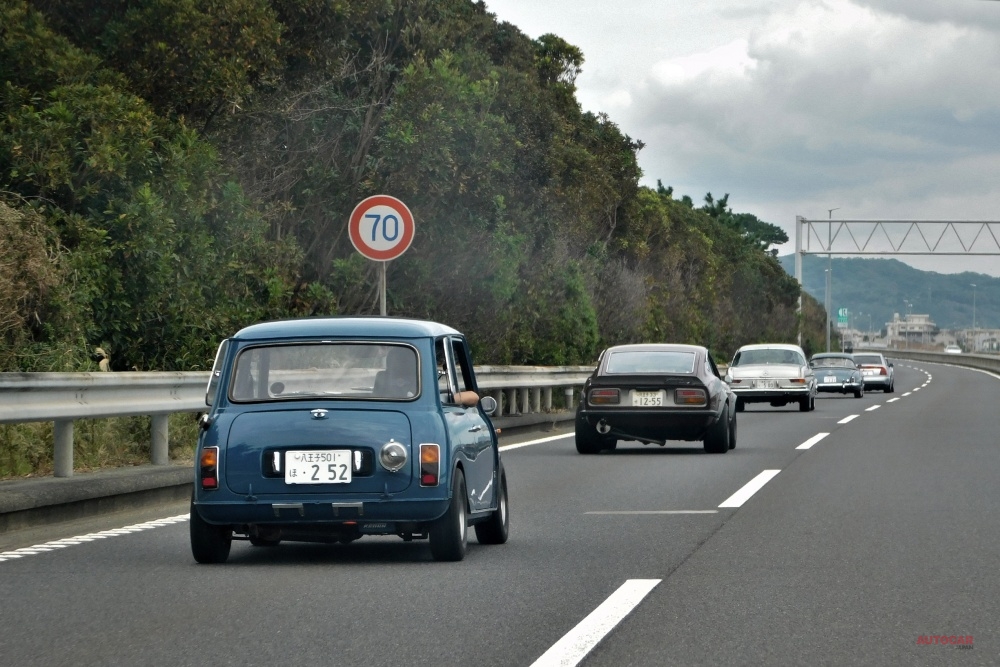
[912, 329]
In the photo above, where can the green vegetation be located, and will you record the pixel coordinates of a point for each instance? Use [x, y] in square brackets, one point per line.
[173, 170]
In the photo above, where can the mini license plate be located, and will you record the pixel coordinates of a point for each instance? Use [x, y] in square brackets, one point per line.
[765, 384]
[647, 399]
[331, 466]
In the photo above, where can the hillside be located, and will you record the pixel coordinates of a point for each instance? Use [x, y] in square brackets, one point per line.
[881, 287]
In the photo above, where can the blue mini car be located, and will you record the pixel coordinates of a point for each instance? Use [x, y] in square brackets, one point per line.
[330, 429]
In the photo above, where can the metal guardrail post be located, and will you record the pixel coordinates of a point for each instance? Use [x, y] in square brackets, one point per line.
[525, 401]
[569, 398]
[547, 398]
[159, 450]
[62, 457]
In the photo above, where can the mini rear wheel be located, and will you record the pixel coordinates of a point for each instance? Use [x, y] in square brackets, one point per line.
[449, 535]
[209, 543]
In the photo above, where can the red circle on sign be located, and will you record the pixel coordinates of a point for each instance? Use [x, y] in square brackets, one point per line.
[381, 227]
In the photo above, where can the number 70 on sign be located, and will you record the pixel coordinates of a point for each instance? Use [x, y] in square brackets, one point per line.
[381, 227]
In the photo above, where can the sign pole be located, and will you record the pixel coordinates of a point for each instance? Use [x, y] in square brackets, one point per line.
[382, 290]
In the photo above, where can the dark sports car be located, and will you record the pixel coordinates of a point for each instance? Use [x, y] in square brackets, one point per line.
[837, 373]
[653, 393]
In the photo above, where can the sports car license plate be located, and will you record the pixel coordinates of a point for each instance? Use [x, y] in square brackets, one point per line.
[332, 466]
[830, 378]
[765, 384]
[647, 399]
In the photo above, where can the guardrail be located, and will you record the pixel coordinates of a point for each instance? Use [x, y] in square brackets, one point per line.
[64, 397]
[983, 362]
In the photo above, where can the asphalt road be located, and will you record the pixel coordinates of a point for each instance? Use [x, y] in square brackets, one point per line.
[877, 538]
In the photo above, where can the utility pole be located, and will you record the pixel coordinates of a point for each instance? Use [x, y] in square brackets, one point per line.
[829, 273]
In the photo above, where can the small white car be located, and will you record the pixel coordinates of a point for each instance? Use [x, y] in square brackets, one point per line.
[953, 349]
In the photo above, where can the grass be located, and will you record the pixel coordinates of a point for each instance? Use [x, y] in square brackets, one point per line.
[26, 450]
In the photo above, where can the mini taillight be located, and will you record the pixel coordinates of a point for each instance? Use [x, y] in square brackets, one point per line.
[605, 397]
[430, 464]
[208, 468]
[690, 397]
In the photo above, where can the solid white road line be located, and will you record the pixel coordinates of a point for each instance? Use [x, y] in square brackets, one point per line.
[537, 442]
[750, 488]
[848, 418]
[616, 512]
[874, 407]
[581, 640]
[812, 441]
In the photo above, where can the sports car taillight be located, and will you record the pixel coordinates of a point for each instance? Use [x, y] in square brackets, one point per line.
[690, 397]
[208, 468]
[605, 396]
[430, 464]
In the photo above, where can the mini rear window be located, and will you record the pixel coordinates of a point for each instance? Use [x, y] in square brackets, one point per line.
[650, 362]
[325, 370]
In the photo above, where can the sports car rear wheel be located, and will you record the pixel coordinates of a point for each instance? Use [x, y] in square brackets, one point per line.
[588, 441]
[717, 437]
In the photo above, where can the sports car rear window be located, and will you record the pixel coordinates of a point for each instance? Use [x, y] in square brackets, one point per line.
[650, 362]
[325, 370]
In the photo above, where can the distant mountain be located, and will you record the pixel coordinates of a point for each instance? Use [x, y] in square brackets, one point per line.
[873, 289]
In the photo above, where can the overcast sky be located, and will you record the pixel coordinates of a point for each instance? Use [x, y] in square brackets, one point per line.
[882, 109]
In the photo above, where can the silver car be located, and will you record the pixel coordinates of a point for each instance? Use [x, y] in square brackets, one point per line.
[876, 371]
[772, 373]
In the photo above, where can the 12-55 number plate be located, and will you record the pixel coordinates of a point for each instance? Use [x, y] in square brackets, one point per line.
[332, 466]
[647, 399]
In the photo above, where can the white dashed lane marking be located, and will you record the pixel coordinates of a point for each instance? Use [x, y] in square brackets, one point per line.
[80, 539]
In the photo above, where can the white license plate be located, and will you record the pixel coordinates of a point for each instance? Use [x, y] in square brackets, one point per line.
[868, 371]
[765, 384]
[331, 466]
[647, 399]
[830, 378]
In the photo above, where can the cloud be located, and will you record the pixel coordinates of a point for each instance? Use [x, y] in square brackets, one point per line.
[827, 95]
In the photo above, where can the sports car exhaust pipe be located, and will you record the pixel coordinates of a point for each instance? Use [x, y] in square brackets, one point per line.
[603, 427]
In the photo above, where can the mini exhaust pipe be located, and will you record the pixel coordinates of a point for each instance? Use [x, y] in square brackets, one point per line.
[603, 427]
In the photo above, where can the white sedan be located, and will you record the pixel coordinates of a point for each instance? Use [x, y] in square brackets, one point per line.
[772, 373]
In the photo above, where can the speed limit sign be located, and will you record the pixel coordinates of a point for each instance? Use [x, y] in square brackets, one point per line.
[381, 227]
